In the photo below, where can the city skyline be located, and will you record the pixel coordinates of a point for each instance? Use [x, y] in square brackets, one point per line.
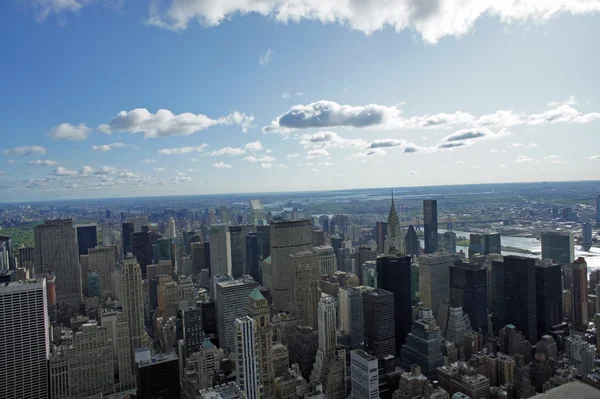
[283, 99]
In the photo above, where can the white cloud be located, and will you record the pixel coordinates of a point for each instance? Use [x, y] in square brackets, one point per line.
[286, 95]
[265, 158]
[521, 145]
[148, 161]
[108, 147]
[459, 162]
[10, 162]
[370, 153]
[228, 151]
[291, 156]
[346, 89]
[262, 60]
[569, 101]
[413, 173]
[182, 150]
[182, 179]
[553, 157]
[387, 143]
[66, 131]
[306, 164]
[432, 20]
[253, 146]
[326, 164]
[221, 165]
[329, 140]
[523, 158]
[266, 165]
[299, 93]
[563, 113]
[594, 157]
[160, 170]
[164, 123]
[316, 154]
[106, 170]
[62, 171]
[26, 150]
[283, 166]
[43, 162]
[3, 173]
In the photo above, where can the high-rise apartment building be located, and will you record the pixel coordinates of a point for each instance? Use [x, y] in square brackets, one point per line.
[220, 250]
[394, 275]
[247, 374]
[305, 287]
[364, 375]
[258, 310]
[469, 289]
[237, 235]
[351, 313]
[327, 259]
[434, 280]
[514, 282]
[430, 223]
[87, 237]
[379, 324]
[287, 237]
[24, 340]
[56, 251]
[558, 246]
[232, 298]
[132, 297]
[548, 289]
[102, 261]
[580, 294]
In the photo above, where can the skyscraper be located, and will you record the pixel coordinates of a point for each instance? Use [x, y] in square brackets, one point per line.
[394, 275]
[423, 344]
[247, 375]
[237, 235]
[258, 310]
[257, 212]
[393, 239]
[514, 282]
[548, 288]
[24, 340]
[138, 222]
[580, 294]
[171, 229]
[231, 298]
[200, 257]
[381, 230]
[469, 289]
[158, 377]
[586, 235]
[411, 242]
[362, 255]
[102, 260]
[141, 247]
[287, 237]
[56, 250]
[127, 231]
[430, 222]
[220, 250]
[87, 237]
[558, 246]
[132, 297]
[327, 259]
[7, 257]
[448, 241]
[434, 280]
[305, 287]
[364, 375]
[351, 313]
[379, 325]
[253, 256]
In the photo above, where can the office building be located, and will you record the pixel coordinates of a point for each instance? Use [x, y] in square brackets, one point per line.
[434, 280]
[394, 275]
[264, 237]
[7, 257]
[102, 261]
[558, 246]
[258, 310]
[231, 301]
[586, 235]
[580, 294]
[56, 251]
[126, 233]
[305, 287]
[93, 285]
[258, 215]
[254, 256]
[158, 376]
[247, 374]
[318, 238]
[447, 241]
[118, 332]
[87, 237]
[200, 257]
[459, 377]
[24, 340]
[327, 259]
[351, 313]
[220, 250]
[237, 235]
[581, 353]
[411, 242]
[379, 325]
[364, 375]
[138, 222]
[548, 296]
[363, 254]
[430, 223]
[393, 239]
[171, 229]
[513, 281]
[132, 297]
[191, 329]
[287, 238]
[469, 289]
[381, 233]
[423, 344]
[143, 250]
[281, 360]
[27, 259]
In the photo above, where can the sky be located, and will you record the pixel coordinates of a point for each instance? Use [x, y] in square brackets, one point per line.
[123, 98]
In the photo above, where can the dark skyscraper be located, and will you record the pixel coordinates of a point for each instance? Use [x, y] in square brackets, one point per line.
[379, 326]
[87, 237]
[199, 258]
[324, 222]
[580, 294]
[430, 222]
[237, 237]
[548, 288]
[363, 254]
[381, 231]
[468, 288]
[141, 247]
[394, 275]
[126, 237]
[411, 241]
[264, 236]
[492, 243]
[253, 256]
[158, 377]
[598, 209]
[515, 296]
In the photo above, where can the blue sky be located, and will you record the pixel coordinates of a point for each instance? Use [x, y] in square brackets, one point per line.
[127, 98]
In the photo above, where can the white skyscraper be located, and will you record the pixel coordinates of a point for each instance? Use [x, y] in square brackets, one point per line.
[102, 261]
[118, 332]
[24, 340]
[132, 296]
[247, 376]
[364, 375]
[434, 280]
[351, 313]
[231, 302]
[171, 230]
[220, 249]
[327, 259]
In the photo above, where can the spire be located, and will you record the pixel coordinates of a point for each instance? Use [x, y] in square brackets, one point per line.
[393, 197]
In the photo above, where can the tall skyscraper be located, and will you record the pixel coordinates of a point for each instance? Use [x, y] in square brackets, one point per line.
[448, 241]
[580, 294]
[126, 232]
[393, 239]
[434, 280]
[24, 340]
[381, 231]
[430, 222]
[257, 212]
[411, 242]
[56, 250]
[138, 222]
[247, 374]
[363, 254]
[102, 261]
[287, 237]
[423, 344]
[132, 296]
[171, 229]
[87, 237]
[305, 287]
[7, 257]
[327, 259]
[364, 375]
[469, 289]
[514, 282]
[379, 325]
[141, 247]
[158, 377]
[118, 332]
[200, 257]
[254, 256]
[394, 275]
[237, 235]
[258, 310]
[586, 235]
[231, 299]
[351, 313]
[558, 246]
[220, 250]
[548, 289]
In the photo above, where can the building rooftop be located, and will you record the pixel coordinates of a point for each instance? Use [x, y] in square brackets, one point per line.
[21, 285]
[256, 295]
[158, 358]
[571, 390]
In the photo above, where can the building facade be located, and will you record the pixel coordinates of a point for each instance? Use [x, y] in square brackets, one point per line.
[430, 223]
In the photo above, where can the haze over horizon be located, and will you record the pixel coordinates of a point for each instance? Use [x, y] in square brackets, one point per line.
[123, 99]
